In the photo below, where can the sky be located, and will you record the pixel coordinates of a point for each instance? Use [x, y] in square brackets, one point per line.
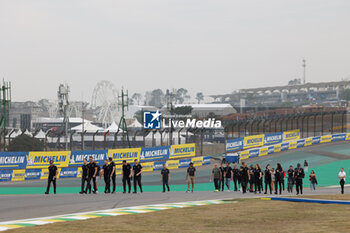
[209, 46]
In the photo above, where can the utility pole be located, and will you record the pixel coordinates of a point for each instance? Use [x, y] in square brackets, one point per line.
[5, 98]
[170, 107]
[123, 100]
[63, 105]
[304, 70]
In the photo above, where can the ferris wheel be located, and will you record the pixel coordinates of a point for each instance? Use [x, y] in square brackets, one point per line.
[105, 102]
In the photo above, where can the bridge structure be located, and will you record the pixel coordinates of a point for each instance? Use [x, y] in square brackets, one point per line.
[317, 92]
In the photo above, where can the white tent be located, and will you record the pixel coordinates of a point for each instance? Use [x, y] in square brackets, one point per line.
[19, 132]
[135, 124]
[40, 135]
[28, 133]
[113, 128]
[88, 127]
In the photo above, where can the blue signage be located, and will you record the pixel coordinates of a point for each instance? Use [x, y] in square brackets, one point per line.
[5, 175]
[254, 153]
[32, 174]
[69, 172]
[152, 120]
[300, 143]
[234, 144]
[271, 149]
[154, 153]
[158, 165]
[338, 137]
[285, 146]
[13, 160]
[273, 138]
[316, 140]
[184, 163]
[77, 157]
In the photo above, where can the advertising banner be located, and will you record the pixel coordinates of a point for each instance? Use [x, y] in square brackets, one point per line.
[244, 155]
[119, 169]
[44, 174]
[254, 153]
[198, 161]
[13, 160]
[277, 148]
[158, 165]
[76, 158]
[128, 154]
[308, 141]
[271, 150]
[147, 167]
[172, 164]
[69, 172]
[301, 143]
[231, 158]
[316, 140]
[291, 135]
[347, 136]
[5, 175]
[263, 151]
[182, 150]
[273, 138]
[253, 141]
[234, 144]
[326, 138]
[184, 163]
[206, 160]
[293, 145]
[33, 174]
[80, 172]
[338, 137]
[18, 175]
[284, 146]
[41, 159]
[154, 153]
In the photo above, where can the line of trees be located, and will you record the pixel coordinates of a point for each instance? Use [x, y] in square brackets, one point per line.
[158, 98]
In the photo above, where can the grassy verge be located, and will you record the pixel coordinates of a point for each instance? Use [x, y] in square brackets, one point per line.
[246, 215]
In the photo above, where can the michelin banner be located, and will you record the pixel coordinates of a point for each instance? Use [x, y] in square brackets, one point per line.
[234, 144]
[273, 138]
[5, 175]
[42, 159]
[154, 153]
[33, 174]
[291, 135]
[128, 154]
[76, 158]
[182, 150]
[13, 160]
[253, 141]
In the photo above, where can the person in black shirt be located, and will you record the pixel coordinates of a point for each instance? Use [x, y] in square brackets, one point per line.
[228, 176]
[137, 170]
[290, 179]
[165, 177]
[235, 176]
[251, 178]
[112, 173]
[84, 175]
[279, 176]
[91, 175]
[190, 177]
[126, 176]
[299, 176]
[245, 177]
[106, 176]
[222, 179]
[268, 179]
[53, 172]
[257, 178]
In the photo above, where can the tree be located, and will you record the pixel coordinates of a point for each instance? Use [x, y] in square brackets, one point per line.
[25, 143]
[199, 97]
[136, 97]
[181, 95]
[157, 98]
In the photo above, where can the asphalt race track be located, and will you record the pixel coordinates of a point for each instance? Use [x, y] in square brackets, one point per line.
[16, 207]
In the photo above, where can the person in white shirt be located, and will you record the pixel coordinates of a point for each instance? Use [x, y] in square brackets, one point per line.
[341, 176]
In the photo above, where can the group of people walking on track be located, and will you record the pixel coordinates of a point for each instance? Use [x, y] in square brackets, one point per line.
[257, 180]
